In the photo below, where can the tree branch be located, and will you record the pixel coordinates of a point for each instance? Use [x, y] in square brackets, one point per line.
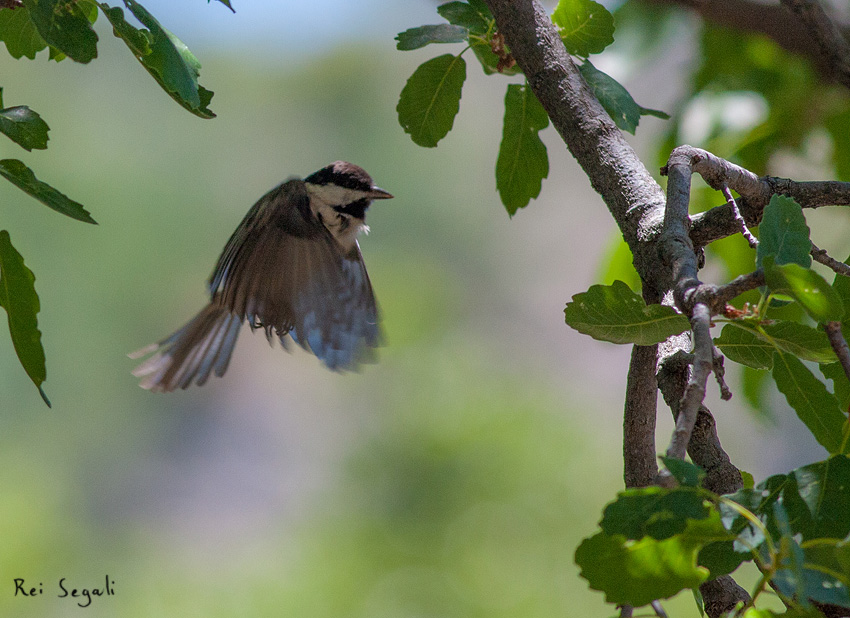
[639, 463]
[839, 344]
[831, 44]
[822, 257]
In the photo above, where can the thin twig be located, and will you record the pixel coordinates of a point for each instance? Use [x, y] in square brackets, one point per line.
[839, 344]
[695, 390]
[745, 231]
[659, 611]
[822, 257]
[719, 374]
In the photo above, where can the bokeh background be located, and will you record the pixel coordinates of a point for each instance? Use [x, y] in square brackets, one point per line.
[453, 478]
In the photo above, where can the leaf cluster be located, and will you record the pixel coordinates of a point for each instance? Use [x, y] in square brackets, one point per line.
[64, 28]
[655, 542]
[430, 100]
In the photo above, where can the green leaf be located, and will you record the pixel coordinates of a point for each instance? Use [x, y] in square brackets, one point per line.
[24, 127]
[814, 405]
[753, 344]
[466, 15]
[615, 98]
[720, 558]
[65, 26]
[430, 100]
[655, 511]
[165, 57]
[414, 38]
[19, 299]
[743, 346]
[614, 313]
[20, 34]
[639, 572]
[522, 164]
[840, 383]
[586, 27]
[22, 177]
[815, 295]
[784, 234]
[490, 62]
[687, 473]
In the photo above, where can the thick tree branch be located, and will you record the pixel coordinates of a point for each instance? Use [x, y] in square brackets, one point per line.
[770, 20]
[639, 463]
[633, 197]
[831, 44]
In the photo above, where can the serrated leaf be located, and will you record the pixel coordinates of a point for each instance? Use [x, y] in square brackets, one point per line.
[687, 473]
[22, 177]
[656, 512]
[165, 57]
[522, 163]
[18, 297]
[784, 234]
[815, 295]
[466, 15]
[639, 572]
[65, 26]
[586, 27]
[615, 98]
[430, 100]
[414, 38]
[615, 313]
[24, 127]
[20, 34]
[814, 405]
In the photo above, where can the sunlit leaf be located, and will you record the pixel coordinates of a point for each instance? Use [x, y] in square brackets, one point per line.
[430, 100]
[20, 34]
[165, 57]
[815, 295]
[753, 344]
[522, 163]
[22, 177]
[18, 297]
[615, 313]
[586, 27]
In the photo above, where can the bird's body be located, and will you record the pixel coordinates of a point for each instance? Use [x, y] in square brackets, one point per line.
[293, 266]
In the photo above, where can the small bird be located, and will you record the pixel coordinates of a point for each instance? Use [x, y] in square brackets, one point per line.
[292, 267]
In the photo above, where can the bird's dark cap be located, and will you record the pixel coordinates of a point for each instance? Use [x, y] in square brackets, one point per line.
[347, 175]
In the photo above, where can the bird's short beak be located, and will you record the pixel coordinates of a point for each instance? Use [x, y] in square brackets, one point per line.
[376, 193]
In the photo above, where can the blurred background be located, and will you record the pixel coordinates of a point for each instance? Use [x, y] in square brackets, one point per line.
[453, 478]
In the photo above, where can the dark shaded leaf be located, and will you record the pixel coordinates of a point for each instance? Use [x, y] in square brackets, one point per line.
[753, 344]
[615, 98]
[22, 177]
[586, 27]
[784, 234]
[65, 26]
[615, 313]
[24, 127]
[687, 473]
[18, 297]
[522, 163]
[165, 57]
[430, 100]
[225, 3]
[743, 346]
[414, 38]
